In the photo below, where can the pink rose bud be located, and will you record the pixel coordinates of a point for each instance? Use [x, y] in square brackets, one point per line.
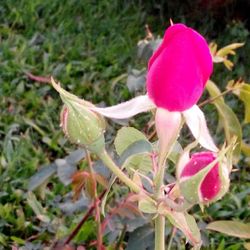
[202, 180]
[179, 69]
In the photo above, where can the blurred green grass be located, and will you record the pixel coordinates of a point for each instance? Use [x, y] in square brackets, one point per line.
[83, 44]
[86, 45]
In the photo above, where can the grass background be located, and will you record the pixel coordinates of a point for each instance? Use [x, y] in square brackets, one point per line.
[88, 46]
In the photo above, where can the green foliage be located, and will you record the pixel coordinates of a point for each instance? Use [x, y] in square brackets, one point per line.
[227, 117]
[232, 228]
[143, 238]
[244, 94]
[87, 45]
[67, 40]
[37, 208]
[127, 136]
[134, 149]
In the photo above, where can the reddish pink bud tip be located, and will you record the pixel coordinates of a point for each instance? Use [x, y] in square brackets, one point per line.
[179, 69]
[211, 184]
[63, 119]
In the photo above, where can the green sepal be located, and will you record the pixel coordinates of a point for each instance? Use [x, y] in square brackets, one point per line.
[190, 186]
[185, 222]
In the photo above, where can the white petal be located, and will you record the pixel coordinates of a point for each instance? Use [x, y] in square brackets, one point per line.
[127, 109]
[196, 122]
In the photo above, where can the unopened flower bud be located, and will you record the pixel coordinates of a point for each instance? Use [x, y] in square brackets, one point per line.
[80, 123]
[203, 179]
[83, 126]
[179, 69]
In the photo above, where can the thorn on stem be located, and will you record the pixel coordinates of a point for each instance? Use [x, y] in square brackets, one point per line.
[149, 34]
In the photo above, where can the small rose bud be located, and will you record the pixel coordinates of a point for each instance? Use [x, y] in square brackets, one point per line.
[83, 126]
[203, 179]
[80, 124]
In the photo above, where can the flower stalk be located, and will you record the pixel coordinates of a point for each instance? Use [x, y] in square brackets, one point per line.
[168, 125]
[160, 219]
[160, 232]
[107, 160]
[96, 200]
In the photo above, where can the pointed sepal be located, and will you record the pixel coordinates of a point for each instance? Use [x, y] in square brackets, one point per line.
[185, 222]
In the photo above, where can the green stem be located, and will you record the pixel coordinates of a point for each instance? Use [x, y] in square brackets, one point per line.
[171, 238]
[160, 219]
[118, 172]
[159, 181]
[99, 224]
[160, 232]
[99, 245]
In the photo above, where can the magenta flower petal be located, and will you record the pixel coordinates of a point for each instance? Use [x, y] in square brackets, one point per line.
[179, 69]
[211, 184]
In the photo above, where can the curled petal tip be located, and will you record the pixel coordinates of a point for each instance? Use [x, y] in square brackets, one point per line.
[196, 122]
[127, 109]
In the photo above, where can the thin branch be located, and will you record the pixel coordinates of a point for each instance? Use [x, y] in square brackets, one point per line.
[218, 96]
[152, 135]
[171, 238]
[121, 238]
[96, 202]
[84, 219]
[42, 79]
[154, 163]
